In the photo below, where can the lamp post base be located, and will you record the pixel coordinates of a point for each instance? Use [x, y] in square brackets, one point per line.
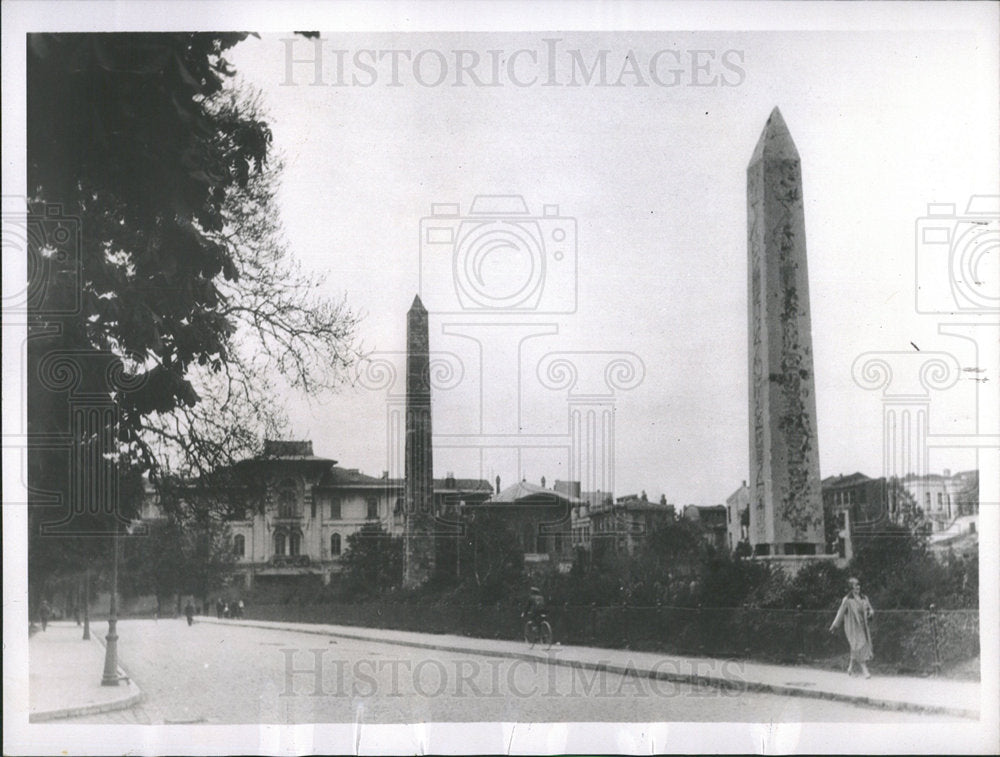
[110, 677]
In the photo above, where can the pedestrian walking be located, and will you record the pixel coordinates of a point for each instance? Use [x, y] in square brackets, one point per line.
[44, 612]
[189, 612]
[854, 613]
[225, 610]
[239, 609]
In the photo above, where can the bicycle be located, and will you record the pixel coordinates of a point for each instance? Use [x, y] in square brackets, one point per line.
[538, 631]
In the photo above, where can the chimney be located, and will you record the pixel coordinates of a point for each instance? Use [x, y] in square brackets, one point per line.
[543, 481]
[498, 484]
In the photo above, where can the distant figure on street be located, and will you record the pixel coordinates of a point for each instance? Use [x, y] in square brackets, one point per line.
[44, 612]
[225, 610]
[218, 607]
[534, 608]
[189, 612]
[239, 609]
[855, 612]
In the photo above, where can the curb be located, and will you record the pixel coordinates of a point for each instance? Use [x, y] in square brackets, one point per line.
[133, 698]
[630, 670]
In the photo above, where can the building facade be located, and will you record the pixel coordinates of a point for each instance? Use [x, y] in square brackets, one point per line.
[624, 524]
[540, 520]
[943, 498]
[290, 512]
[713, 521]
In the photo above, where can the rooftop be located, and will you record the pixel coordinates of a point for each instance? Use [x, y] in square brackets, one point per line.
[524, 491]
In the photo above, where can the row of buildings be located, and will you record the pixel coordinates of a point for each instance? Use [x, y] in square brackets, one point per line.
[290, 512]
[945, 504]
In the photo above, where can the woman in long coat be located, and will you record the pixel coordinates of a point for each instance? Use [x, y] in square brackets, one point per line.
[855, 612]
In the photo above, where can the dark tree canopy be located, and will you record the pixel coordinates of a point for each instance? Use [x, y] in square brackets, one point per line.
[158, 272]
[127, 135]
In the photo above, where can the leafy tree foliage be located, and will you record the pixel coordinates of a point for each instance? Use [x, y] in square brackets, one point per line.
[491, 559]
[156, 248]
[187, 553]
[373, 562]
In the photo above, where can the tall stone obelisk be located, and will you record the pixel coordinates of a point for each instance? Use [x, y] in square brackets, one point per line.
[418, 493]
[786, 507]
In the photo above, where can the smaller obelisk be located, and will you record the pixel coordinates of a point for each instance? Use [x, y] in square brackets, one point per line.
[786, 508]
[418, 493]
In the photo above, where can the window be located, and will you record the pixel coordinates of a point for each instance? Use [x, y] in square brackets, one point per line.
[294, 543]
[372, 508]
[287, 499]
[279, 544]
[927, 499]
[940, 499]
[239, 545]
[335, 509]
[334, 545]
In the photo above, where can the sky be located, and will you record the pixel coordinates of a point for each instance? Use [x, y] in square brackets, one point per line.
[649, 184]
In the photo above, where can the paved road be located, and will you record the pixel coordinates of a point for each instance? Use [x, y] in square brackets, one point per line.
[211, 673]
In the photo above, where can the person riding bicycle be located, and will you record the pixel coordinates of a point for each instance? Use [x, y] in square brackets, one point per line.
[534, 608]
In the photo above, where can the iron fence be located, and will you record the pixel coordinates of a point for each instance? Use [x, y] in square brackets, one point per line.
[905, 641]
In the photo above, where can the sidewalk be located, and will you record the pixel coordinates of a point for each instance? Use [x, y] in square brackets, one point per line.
[64, 674]
[931, 695]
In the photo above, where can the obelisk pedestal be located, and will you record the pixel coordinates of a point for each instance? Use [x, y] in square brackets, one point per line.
[786, 508]
[418, 494]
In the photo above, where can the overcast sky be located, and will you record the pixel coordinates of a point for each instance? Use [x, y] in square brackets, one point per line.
[654, 178]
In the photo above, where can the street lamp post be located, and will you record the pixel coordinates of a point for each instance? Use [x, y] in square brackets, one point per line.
[110, 677]
[86, 604]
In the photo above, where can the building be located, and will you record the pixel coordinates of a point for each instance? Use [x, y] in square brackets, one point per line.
[539, 518]
[942, 498]
[290, 512]
[850, 503]
[856, 502]
[624, 524]
[738, 517]
[714, 522]
[580, 522]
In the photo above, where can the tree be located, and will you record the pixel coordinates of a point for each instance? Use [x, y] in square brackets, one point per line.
[373, 562]
[154, 561]
[188, 552]
[678, 547]
[895, 566]
[159, 272]
[904, 508]
[491, 558]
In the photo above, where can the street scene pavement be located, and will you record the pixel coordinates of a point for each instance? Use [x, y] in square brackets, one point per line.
[239, 672]
[65, 672]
